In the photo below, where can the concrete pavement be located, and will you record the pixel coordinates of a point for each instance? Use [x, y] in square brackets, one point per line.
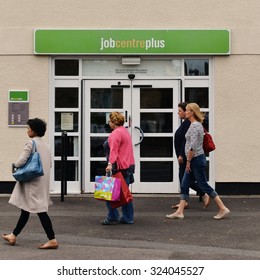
[81, 236]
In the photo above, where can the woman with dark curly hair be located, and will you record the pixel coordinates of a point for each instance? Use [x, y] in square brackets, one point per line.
[34, 196]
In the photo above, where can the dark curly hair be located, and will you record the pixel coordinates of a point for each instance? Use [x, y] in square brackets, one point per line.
[38, 126]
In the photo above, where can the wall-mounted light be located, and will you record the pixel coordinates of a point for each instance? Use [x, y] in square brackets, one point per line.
[131, 60]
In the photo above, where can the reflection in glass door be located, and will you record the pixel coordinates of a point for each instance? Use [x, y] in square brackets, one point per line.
[150, 110]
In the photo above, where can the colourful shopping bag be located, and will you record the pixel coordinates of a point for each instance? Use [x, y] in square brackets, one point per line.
[107, 188]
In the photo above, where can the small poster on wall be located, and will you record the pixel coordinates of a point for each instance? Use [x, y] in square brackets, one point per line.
[66, 121]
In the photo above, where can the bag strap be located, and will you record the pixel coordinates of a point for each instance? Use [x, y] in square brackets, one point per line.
[34, 148]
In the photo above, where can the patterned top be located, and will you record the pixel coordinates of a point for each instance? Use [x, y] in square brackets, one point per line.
[194, 139]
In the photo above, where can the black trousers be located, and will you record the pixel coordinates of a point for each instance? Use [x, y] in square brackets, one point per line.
[45, 221]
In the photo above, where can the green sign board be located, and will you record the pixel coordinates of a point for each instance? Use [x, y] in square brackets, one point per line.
[18, 96]
[128, 42]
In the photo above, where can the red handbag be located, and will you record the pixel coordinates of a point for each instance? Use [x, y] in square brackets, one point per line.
[208, 143]
[125, 196]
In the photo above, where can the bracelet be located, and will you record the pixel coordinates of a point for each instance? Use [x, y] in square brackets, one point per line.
[188, 160]
[109, 163]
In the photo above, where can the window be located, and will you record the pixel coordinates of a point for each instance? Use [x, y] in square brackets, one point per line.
[66, 97]
[197, 95]
[196, 67]
[67, 67]
[67, 118]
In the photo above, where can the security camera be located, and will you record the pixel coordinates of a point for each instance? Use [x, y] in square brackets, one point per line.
[131, 76]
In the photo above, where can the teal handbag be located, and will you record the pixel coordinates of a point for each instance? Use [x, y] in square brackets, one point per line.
[32, 168]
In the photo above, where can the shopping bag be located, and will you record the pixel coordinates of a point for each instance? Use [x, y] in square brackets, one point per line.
[208, 143]
[125, 196]
[32, 168]
[107, 188]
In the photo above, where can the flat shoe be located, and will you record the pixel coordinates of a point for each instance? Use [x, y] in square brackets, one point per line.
[10, 238]
[222, 214]
[51, 244]
[174, 216]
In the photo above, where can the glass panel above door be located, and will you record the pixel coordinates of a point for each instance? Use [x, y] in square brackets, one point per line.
[147, 67]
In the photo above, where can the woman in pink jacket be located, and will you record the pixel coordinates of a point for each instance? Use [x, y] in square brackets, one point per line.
[120, 157]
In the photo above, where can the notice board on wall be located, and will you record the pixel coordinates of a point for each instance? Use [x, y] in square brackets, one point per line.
[18, 107]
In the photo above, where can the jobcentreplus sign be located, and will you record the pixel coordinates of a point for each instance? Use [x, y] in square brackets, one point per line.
[110, 43]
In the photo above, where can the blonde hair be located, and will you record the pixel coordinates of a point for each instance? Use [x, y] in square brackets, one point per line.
[198, 115]
[117, 118]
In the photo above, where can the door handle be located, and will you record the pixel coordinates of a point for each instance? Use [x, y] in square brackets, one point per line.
[142, 134]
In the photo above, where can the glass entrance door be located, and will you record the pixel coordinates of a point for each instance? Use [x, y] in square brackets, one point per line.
[150, 110]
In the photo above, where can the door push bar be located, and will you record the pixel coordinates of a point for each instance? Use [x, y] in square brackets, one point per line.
[142, 134]
[142, 86]
[120, 86]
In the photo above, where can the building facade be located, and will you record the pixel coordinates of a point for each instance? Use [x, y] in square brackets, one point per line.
[73, 62]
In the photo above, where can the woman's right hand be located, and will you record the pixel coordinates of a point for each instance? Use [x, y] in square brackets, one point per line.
[109, 168]
[180, 160]
[188, 169]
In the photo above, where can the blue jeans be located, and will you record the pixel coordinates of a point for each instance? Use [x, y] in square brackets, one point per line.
[195, 187]
[198, 173]
[127, 210]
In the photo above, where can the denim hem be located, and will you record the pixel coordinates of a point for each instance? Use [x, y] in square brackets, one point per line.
[184, 197]
[213, 195]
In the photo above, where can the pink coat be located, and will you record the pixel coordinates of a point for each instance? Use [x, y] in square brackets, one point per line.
[121, 148]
